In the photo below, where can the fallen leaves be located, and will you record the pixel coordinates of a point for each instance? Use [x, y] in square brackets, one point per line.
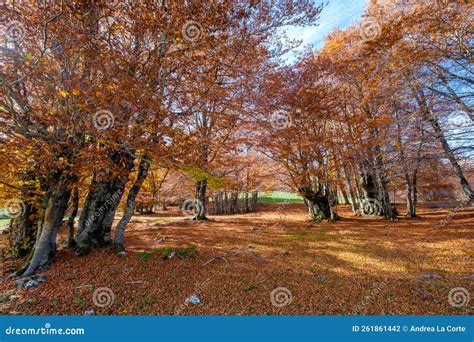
[235, 268]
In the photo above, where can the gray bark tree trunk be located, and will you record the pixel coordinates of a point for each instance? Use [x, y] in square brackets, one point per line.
[99, 209]
[23, 227]
[345, 198]
[45, 246]
[201, 205]
[319, 207]
[415, 191]
[422, 102]
[72, 217]
[246, 201]
[253, 206]
[352, 196]
[408, 189]
[452, 159]
[130, 205]
[22, 231]
[457, 99]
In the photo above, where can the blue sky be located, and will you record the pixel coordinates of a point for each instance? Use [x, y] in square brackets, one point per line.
[338, 13]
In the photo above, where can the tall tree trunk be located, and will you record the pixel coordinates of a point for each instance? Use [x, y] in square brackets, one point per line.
[22, 231]
[450, 155]
[23, 227]
[319, 207]
[72, 217]
[403, 160]
[367, 179]
[358, 187]
[377, 165]
[234, 208]
[246, 201]
[415, 191]
[384, 195]
[97, 216]
[332, 202]
[387, 211]
[345, 199]
[408, 192]
[101, 203]
[226, 203]
[130, 205]
[45, 246]
[351, 191]
[427, 114]
[201, 206]
[456, 98]
[415, 172]
[217, 203]
[371, 205]
[253, 205]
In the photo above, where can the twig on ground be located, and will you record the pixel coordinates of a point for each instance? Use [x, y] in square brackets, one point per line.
[215, 258]
[135, 282]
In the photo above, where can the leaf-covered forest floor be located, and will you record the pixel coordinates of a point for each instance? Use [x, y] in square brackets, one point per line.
[358, 265]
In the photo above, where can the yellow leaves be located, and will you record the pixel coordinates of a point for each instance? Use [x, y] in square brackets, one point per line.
[332, 45]
[181, 42]
[63, 93]
[82, 106]
[76, 92]
[28, 59]
[115, 28]
[64, 162]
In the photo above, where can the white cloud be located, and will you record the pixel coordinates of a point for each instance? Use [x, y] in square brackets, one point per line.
[337, 14]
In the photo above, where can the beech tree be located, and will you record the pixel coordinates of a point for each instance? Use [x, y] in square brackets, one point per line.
[96, 86]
